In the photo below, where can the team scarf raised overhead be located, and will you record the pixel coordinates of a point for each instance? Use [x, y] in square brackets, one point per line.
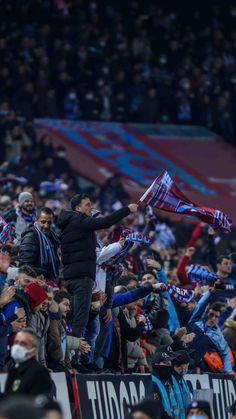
[165, 195]
[7, 232]
[47, 252]
[130, 239]
[180, 294]
[196, 273]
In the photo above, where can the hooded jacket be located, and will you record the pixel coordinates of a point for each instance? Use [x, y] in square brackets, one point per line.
[78, 241]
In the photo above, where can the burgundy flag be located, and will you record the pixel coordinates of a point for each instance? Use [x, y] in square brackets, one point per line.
[165, 195]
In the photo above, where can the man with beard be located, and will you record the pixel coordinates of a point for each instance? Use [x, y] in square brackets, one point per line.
[39, 245]
[23, 216]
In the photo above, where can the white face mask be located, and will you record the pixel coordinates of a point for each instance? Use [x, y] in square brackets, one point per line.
[19, 353]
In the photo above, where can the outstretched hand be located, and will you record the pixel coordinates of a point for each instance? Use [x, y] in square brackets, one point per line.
[5, 260]
[133, 207]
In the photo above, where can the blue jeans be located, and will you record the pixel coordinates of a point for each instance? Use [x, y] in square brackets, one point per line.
[81, 296]
[91, 334]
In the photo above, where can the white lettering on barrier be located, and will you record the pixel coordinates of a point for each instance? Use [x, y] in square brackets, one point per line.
[231, 392]
[99, 397]
[124, 397]
[224, 391]
[217, 392]
[113, 397]
[198, 381]
[92, 396]
[103, 394]
[105, 399]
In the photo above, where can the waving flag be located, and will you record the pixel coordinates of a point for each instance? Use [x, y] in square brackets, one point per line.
[165, 195]
[6, 230]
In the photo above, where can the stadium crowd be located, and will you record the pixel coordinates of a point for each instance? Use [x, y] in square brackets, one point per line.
[91, 284]
[126, 61]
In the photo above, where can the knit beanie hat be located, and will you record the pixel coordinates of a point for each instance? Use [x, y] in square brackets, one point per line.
[201, 405]
[36, 294]
[24, 196]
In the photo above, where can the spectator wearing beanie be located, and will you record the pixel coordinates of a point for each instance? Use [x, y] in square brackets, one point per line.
[36, 295]
[23, 216]
[199, 408]
[37, 321]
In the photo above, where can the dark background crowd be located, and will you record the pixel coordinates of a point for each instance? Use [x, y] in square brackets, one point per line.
[126, 61]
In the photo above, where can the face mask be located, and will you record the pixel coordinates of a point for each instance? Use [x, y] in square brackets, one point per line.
[197, 417]
[164, 371]
[19, 353]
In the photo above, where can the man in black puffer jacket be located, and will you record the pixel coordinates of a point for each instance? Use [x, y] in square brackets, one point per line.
[39, 246]
[78, 247]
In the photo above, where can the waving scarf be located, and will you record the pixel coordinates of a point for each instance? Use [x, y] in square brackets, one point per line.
[196, 273]
[180, 294]
[130, 239]
[7, 232]
[165, 195]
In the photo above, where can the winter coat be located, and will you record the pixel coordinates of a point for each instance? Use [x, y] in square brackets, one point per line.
[135, 353]
[57, 339]
[229, 332]
[29, 253]
[121, 333]
[40, 324]
[78, 241]
[29, 378]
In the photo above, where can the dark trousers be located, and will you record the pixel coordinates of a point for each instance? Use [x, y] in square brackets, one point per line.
[81, 296]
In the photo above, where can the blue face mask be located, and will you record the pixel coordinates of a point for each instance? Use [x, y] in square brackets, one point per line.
[197, 417]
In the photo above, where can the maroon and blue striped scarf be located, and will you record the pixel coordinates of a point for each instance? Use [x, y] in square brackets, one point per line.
[165, 195]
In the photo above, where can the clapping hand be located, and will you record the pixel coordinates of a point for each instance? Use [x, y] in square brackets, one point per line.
[6, 296]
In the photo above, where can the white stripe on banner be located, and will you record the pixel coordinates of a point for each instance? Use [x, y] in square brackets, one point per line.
[147, 191]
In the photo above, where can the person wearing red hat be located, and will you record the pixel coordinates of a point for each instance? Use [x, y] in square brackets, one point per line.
[37, 296]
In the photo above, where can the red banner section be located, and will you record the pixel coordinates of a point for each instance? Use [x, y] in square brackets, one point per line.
[202, 165]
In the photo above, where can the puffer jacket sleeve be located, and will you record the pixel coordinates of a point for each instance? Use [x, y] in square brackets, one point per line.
[90, 223]
[29, 249]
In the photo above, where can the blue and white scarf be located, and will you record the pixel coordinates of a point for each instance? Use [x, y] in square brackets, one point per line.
[47, 251]
[197, 273]
[29, 218]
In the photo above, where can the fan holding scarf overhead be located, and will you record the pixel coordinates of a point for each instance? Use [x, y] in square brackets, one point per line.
[39, 246]
[165, 195]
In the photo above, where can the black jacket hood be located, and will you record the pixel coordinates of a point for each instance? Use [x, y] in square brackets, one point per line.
[64, 218]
